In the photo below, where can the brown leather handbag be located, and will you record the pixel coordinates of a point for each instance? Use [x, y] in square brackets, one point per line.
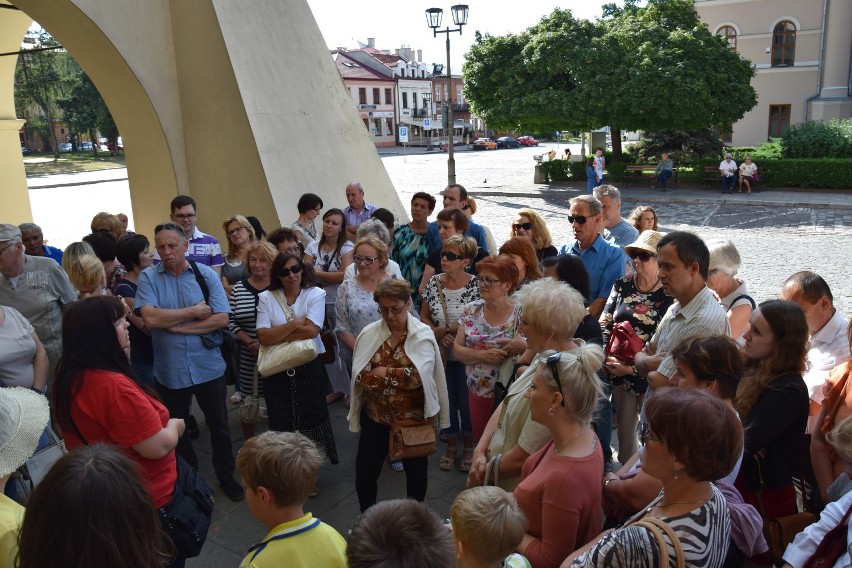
[412, 438]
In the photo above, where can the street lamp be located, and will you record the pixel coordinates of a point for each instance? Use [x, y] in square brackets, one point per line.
[433, 20]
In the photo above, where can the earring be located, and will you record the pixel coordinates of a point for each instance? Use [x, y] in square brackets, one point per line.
[552, 412]
[676, 474]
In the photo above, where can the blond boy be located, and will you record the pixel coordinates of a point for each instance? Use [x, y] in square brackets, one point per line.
[279, 469]
[488, 525]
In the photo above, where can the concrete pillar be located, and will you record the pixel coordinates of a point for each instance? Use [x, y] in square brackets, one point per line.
[838, 50]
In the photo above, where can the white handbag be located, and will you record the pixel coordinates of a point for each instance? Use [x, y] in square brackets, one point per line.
[287, 355]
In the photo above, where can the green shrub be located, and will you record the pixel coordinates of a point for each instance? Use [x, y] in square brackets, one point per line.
[616, 171]
[819, 139]
[830, 173]
[682, 146]
[557, 170]
[578, 170]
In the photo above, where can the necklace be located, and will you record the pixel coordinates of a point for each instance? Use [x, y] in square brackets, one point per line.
[649, 290]
[661, 506]
[571, 439]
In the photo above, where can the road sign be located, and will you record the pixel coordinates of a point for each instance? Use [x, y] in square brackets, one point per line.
[403, 134]
[427, 123]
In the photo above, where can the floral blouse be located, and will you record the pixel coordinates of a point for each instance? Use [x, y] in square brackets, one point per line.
[643, 311]
[400, 392]
[309, 232]
[479, 334]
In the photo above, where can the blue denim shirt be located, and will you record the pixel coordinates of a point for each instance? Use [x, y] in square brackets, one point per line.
[474, 230]
[181, 361]
[605, 263]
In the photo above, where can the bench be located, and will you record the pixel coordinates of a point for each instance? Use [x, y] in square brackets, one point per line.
[644, 173]
[711, 175]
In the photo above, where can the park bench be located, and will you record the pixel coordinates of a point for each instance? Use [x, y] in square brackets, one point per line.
[712, 175]
[645, 173]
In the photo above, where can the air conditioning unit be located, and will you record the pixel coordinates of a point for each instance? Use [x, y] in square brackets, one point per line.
[421, 112]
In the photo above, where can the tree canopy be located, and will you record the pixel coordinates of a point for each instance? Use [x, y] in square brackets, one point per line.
[637, 68]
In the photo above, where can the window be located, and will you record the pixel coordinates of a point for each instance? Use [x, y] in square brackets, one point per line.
[377, 99]
[784, 44]
[779, 120]
[729, 34]
[404, 100]
[438, 95]
[362, 96]
[377, 124]
[388, 97]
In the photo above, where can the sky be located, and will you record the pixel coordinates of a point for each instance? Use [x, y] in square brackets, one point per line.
[394, 24]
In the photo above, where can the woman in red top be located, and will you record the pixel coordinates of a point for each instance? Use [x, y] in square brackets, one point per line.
[97, 397]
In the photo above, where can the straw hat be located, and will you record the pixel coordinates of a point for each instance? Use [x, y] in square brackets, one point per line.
[647, 241]
[23, 417]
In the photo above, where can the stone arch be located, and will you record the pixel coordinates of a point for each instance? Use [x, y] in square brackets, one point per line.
[206, 111]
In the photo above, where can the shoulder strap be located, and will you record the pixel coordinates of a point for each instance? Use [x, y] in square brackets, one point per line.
[657, 527]
[200, 279]
[443, 300]
[288, 311]
[747, 297]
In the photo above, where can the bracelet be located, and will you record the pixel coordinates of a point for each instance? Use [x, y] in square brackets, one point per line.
[634, 370]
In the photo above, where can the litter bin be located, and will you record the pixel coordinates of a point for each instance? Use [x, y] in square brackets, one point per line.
[540, 175]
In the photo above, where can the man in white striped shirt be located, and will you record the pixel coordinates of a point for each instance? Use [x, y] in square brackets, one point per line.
[684, 263]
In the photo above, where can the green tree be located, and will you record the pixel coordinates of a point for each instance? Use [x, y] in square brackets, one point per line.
[637, 68]
[38, 83]
[84, 110]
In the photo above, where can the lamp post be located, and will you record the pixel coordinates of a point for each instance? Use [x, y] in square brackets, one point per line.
[433, 20]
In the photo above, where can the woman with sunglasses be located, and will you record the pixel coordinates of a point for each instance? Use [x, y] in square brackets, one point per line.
[397, 371]
[355, 305]
[239, 234]
[557, 485]
[450, 222]
[529, 225]
[488, 335]
[692, 439]
[295, 399]
[446, 296]
[638, 299]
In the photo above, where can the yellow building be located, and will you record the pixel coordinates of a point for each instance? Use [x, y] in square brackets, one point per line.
[802, 52]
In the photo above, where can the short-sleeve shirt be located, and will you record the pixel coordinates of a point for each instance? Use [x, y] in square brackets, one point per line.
[52, 252]
[309, 304]
[604, 262]
[17, 350]
[479, 334]
[39, 294]
[303, 543]
[622, 234]
[203, 249]
[181, 361]
[11, 517]
[327, 263]
[747, 170]
[728, 168]
[355, 218]
[456, 300]
[110, 407]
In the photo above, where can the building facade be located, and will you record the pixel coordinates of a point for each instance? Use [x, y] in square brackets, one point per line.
[374, 95]
[802, 53]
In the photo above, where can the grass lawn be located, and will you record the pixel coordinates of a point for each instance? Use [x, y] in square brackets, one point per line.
[70, 163]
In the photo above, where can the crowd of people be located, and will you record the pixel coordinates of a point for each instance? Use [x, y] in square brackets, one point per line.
[520, 364]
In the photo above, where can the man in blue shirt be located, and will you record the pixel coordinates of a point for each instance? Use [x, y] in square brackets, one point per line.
[455, 197]
[33, 239]
[603, 260]
[617, 229]
[173, 306]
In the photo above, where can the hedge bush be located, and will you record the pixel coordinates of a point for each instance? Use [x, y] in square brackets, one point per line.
[832, 173]
[819, 139]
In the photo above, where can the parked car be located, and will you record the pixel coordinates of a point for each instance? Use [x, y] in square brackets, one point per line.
[527, 141]
[25, 151]
[484, 144]
[87, 146]
[66, 147]
[507, 142]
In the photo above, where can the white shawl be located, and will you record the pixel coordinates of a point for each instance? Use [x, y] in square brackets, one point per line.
[422, 348]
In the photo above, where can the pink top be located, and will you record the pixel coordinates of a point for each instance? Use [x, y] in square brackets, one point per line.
[561, 498]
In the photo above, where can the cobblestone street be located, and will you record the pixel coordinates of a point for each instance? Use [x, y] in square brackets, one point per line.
[773, 241]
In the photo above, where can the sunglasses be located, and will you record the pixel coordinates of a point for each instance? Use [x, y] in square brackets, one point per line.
[553, 364]
[644, 256]
[581, 219]
[295, 269]
[524, 226]
[365, 259]
[451, 255]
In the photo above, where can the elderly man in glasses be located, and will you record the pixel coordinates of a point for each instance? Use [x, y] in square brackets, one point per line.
[603, 260]
[184, 305]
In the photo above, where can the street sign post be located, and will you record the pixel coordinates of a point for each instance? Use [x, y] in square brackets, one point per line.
[427, 123]
[403, 134]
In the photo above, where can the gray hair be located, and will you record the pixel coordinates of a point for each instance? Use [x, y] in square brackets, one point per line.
[607, 191]
[724, 256]
[595, 206]
[729, 155]
[375, 228]
[29, 227]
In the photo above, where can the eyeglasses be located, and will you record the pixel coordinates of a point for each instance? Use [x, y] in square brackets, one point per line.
[184, 216]
[395, 311]
[486, 282]
[451, 255]
[645, 434]
[295, 269]
[524, 226]
[581, 219]
[644, 256]
[553, 364]
[236, 230]
[365, 259]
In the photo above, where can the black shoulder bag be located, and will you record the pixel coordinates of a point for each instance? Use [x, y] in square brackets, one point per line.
[222, 339]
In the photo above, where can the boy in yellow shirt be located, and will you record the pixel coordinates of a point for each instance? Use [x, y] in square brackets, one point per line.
[279, 469]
